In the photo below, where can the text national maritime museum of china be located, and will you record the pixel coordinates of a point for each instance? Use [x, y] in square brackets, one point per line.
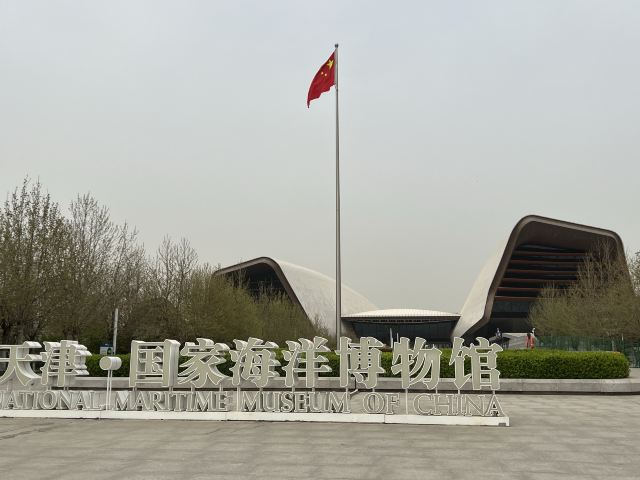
[168, 379]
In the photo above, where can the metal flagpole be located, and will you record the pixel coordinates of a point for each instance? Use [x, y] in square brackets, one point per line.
[115, 331]
[338, 269]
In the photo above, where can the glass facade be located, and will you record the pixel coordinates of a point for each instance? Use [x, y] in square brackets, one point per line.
[435, 332]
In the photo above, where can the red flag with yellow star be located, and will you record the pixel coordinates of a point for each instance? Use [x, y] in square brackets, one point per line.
[323, 81]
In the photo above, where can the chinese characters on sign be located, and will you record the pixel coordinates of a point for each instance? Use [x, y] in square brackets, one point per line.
[306, 352]
[414, 363]
[18, 363]
[202, 366]
[165, 377]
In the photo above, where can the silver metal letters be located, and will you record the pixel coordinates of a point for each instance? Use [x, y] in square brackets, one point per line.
[414, 363]
[360, 360]
[63, 360]
[19, 363]
[202, 366]
[483, 364]
[308, 354]
[153, 362]
[160, 381]
[255, 361]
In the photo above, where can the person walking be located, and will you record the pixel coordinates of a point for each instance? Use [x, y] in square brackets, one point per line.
[531, 341]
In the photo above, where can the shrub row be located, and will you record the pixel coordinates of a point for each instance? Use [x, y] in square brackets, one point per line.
[562, 364]
[511, 364]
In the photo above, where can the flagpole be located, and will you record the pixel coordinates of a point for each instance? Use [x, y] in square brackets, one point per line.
[338, 266]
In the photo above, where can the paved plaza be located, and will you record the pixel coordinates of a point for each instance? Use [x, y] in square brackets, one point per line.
[551, 436]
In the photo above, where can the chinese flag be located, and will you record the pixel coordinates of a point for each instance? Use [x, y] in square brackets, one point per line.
[323, 81]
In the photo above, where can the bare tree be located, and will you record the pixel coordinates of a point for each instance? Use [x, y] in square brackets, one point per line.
[603, 302]
[127, 277]
[32, 240]
[92, 236]
[63, 277]
[169, 284]
[103, 269]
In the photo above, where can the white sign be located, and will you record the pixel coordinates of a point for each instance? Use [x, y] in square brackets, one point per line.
[159, 383]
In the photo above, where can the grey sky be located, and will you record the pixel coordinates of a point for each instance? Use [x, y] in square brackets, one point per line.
[189, 119]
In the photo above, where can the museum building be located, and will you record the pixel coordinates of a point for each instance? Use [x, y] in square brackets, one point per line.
[538, 252]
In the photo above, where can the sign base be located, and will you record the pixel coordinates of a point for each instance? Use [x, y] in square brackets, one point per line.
[262, 417]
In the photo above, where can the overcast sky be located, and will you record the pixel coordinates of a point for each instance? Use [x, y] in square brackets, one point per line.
[457, 119]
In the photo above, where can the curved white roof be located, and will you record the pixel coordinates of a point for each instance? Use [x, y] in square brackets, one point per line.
[477, 308]
[400, 313]
[317, 294]
[313, 291]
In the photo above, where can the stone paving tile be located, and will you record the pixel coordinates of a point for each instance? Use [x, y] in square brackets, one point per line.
[552, 436]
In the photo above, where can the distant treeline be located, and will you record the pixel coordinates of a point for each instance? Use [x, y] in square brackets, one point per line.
[604, 302]
[64, 271]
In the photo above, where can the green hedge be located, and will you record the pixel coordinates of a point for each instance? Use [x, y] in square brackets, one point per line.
[95, 370]
[511, 364]
[562, 364]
